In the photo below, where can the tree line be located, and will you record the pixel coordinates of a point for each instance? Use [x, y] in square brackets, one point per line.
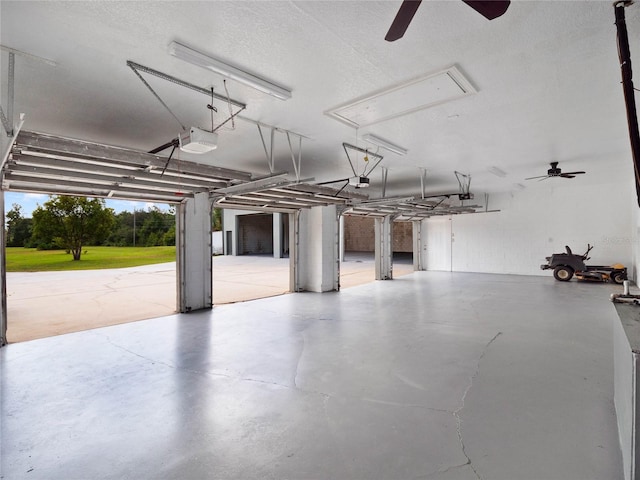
[70, 223]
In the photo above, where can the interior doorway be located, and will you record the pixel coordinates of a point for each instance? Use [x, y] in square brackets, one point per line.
[256, 262]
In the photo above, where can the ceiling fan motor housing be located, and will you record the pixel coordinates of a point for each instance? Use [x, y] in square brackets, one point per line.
[554, 170]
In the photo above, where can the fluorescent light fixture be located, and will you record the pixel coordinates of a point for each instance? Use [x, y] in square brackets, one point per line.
[198, 141]
[218, 66]
[381, 142]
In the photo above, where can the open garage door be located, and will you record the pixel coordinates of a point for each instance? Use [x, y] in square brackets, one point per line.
[41, 163]
[49, 164]
[359, 242]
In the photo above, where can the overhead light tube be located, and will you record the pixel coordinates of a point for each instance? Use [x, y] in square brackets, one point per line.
[199, 59]
[380, 142]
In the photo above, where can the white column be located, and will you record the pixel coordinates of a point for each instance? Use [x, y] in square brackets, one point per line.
[294, 251]
[277, 235]
[315, 260]
[419, 245]
[341, 240]
[194, 254]
[384, 247]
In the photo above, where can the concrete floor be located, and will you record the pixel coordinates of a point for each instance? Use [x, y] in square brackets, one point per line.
[43, 304]
[430, 376]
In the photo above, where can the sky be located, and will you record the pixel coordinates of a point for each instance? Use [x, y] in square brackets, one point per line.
[30, 201]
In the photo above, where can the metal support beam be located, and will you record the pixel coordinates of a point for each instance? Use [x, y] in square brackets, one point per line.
[10, 92]
[7, 121]
[268, 151]
[7, 143]
[296, 161]
[423, 181]
[253, 186]
[385, 172]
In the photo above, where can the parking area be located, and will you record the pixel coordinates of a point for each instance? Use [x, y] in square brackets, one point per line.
[43, 304]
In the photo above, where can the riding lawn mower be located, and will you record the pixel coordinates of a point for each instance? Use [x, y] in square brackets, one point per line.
[566, 265]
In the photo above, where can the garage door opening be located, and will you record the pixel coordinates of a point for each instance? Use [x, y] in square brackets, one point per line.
[129, 275]
[256, 262]
[358, 261]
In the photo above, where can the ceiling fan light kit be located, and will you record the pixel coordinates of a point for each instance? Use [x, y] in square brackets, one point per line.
[387, 145]
[232, 72]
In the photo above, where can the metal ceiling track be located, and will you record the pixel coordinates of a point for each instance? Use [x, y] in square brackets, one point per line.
[137, 68]
[56, 165]
[42, 163]
[409, 208]
[283, 196]
[49, 164]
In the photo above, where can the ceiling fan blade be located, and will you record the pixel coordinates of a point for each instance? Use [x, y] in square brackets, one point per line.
[573, 173]
[489, 9]
[566, 175]
[534, 178]
[403, 19]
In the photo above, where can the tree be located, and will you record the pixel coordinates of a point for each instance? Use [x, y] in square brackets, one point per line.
[216, 219]
[18, 227]
[152, 227]
[154, 224]
[71, 223]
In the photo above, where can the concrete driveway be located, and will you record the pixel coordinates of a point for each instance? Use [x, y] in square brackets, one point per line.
[43, 304]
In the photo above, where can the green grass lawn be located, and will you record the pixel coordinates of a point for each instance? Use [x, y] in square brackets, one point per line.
[93, 258]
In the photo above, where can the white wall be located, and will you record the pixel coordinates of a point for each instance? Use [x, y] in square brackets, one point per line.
[536, 222]
[217, 243]
[635, 236]
[318, 259]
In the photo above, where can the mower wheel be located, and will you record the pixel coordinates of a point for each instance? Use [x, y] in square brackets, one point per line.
[563, 273]
[618, 277]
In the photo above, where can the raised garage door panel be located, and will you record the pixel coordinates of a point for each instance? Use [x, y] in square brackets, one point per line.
[255, 234]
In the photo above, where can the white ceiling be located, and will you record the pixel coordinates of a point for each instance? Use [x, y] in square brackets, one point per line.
[546, 72]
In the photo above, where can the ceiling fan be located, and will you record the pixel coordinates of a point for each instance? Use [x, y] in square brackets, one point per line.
[489, 9]
[554, 171]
